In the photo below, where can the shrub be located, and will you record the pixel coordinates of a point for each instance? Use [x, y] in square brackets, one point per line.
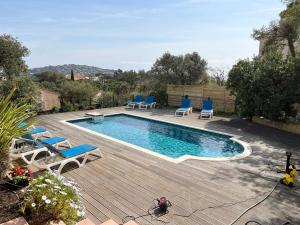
[266, 86]
[67, 106]
[79, 93]
[52, 198]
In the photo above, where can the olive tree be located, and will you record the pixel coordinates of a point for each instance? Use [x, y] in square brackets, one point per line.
[286, 30]
[183, 69]
[12, 53]
[266, 86]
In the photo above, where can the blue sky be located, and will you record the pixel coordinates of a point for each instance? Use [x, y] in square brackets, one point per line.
[131, 34]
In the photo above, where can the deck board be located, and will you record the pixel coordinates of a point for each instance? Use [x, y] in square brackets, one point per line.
[125, 181]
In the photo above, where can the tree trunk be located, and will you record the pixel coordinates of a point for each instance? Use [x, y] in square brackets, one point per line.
[291, 47]
[4, 163]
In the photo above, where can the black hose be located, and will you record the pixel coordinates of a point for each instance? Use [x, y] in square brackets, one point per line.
[252, 221]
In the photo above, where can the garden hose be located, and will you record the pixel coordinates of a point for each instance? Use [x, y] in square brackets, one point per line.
[256, 204]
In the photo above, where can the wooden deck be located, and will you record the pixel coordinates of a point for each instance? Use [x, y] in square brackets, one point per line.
[125, 181]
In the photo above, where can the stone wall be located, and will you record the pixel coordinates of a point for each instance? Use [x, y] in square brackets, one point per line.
[222, 100]
[49, 100]
[293, 127]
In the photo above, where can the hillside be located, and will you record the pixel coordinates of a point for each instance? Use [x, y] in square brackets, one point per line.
[66, 69]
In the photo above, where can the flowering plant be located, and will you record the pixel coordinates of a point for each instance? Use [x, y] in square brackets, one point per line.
[20, 176]
[51, 197]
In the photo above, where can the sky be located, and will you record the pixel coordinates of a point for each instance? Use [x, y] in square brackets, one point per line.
[132, 34]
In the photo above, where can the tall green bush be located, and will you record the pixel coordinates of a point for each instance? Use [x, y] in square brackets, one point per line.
[266, 86]
[79, 94]
[26, 90]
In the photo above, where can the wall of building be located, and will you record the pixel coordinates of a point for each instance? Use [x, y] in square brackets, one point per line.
[49, 100]
[285, 49]
[222, 100]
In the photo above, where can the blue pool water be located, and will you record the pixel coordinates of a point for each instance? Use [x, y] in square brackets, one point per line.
[164, 138]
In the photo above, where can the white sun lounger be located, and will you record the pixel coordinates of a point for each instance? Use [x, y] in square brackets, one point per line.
[32, 148]
[78, 155]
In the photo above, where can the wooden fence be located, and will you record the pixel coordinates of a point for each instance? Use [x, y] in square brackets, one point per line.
[222, 100]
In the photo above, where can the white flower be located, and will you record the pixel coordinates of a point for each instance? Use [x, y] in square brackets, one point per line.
[80, 213]
[48, 201]
[44, 197]
[57, 187]
[33, 205]
[48, 181]
[63, 193]
[53, 203]
[72, 205]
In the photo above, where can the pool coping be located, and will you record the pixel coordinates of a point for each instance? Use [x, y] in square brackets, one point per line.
[247, 149]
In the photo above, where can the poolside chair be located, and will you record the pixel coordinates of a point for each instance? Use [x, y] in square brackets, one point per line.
[185, 108]
[137, 101]
[56, 141]
[60, 158]
[207, 109]
[38, 132]
[22, 124]
[27, 153]
[34, 147]
[149, 102]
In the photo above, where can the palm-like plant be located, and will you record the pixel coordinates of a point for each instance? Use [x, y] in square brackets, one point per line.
[11, 115]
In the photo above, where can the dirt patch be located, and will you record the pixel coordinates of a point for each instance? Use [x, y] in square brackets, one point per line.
[9, 205]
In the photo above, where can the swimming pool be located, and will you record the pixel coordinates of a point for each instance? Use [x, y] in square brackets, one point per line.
[170, 140]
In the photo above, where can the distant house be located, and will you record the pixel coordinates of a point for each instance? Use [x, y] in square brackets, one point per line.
[77, 76]
[285, 49]
[49, 100]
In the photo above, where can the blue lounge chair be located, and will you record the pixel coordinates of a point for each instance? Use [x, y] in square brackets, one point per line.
[22, 124]
[185, 108]
[149, 102]
[38, 132]
[207, 109]
[34, 147]
[60, 158]
[137, 101]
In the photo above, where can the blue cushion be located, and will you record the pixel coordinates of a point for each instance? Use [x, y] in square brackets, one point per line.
[67, 153]
[207, 104]
[52, 140]
[185, 103]
[30, 140]
[149, 99]
[138, 98]
[37, 130]
[22, 124]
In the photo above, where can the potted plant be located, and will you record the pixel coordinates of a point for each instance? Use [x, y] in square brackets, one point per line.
[52, 198]
[20, 177]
